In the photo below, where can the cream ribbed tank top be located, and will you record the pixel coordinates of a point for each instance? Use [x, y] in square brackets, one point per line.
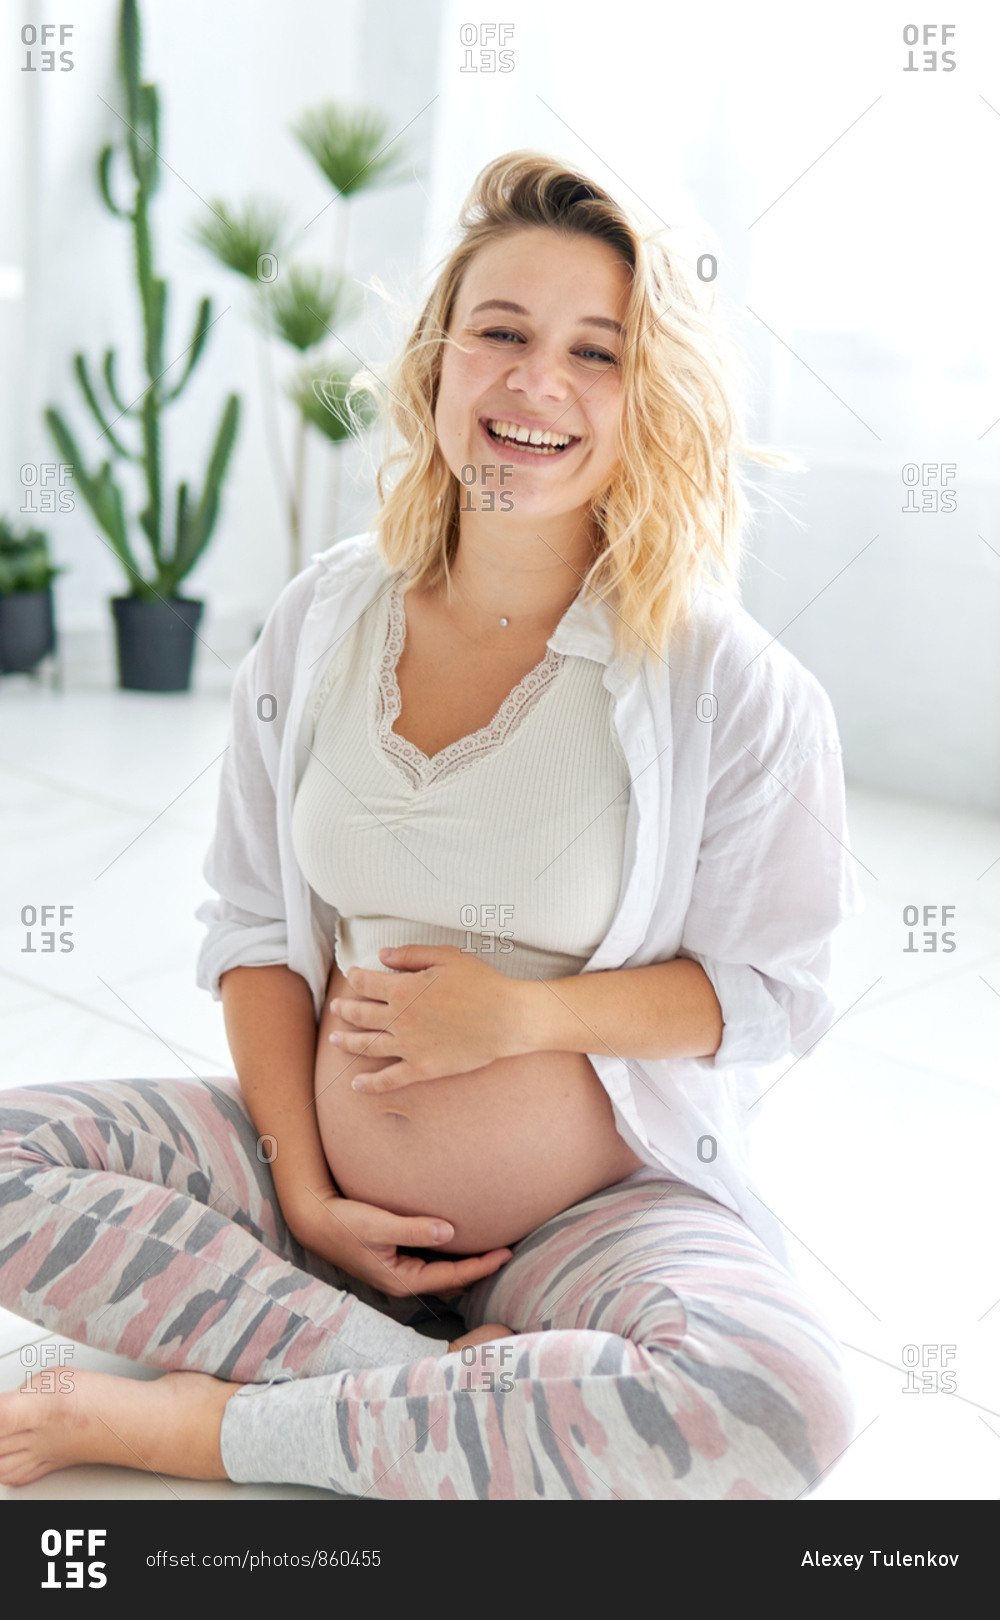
[508, 843]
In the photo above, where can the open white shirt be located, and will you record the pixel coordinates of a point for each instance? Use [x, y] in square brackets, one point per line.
[736, 848]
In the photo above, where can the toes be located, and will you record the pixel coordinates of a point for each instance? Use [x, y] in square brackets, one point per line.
[18, 1468]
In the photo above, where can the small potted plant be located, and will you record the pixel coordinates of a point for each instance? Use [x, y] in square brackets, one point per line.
[155, 624]
[27, 622]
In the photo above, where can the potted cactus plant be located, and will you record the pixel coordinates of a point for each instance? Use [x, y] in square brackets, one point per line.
[155, 624]
[27, 623]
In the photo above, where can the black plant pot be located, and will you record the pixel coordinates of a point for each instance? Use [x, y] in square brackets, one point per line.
[155, 642]
[27, 630]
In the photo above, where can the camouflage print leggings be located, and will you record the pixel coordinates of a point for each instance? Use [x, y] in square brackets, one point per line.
[660, 1351]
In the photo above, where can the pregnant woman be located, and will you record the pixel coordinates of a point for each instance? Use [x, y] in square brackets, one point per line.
[530, 848]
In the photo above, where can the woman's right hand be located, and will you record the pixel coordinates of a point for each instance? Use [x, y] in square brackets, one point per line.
[364, 1241]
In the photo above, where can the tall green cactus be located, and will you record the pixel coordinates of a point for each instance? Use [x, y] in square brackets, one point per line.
[173, 554]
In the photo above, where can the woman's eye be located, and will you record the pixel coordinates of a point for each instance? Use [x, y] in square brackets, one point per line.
[588, 353]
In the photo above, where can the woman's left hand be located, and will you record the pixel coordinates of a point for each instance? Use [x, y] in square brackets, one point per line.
[447, 1013]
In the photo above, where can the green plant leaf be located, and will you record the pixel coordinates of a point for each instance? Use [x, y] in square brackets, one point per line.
[67, 447]
[100, 492]
[352, 146]
[110, 513]
[203, 321]
[306, 304]
[111, 384]
[182, 541]
[129, 51]
[86, 388]
[104, 182]
[25, 564]
[239, 238]
[198, 529]
[13, 536]
[151, 516]
[147, 131]
[324, 395]
[157, 327]
[152, 292]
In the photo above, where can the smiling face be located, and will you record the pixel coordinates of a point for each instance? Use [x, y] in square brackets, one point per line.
[533, 361]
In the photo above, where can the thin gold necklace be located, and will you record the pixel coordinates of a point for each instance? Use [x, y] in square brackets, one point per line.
[505, 621]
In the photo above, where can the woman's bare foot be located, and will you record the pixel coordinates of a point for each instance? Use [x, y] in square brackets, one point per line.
[167, 1425]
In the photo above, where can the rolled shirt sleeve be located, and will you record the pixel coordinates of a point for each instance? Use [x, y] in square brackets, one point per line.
[775, 877]
[247, 921]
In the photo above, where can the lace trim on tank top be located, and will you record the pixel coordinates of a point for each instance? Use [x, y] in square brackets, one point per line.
[420, 768]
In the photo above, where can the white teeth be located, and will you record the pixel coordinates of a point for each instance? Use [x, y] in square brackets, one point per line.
[529, 436]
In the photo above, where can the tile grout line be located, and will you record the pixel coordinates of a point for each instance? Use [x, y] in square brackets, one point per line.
[70, 790]
[110, 1018]
[921, 1068]
[946, 976]
[25, 1343]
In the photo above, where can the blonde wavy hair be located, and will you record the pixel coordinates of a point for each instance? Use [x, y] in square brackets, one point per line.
[672, 516]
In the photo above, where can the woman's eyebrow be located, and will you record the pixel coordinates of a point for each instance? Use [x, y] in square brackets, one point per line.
[519, 309]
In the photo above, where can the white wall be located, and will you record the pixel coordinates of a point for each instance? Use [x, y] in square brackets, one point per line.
[874, 270]
[848, 205]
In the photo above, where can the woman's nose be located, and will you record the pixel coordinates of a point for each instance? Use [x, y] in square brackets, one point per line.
[543, 375]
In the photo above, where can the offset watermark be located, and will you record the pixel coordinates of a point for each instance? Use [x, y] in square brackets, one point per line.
[267, 1149]
[491, 923]
[486, 47]
[41, 42]
[487, 1369]
[490, 500]
[912, 917]
[928, 1369]
[38, 923]
[930, 479]
[932, 36]
[44, 484]
[47, 1369]
[64, 1552]
[706, 706]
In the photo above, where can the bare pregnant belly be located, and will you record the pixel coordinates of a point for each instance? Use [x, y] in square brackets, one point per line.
[496, 1152]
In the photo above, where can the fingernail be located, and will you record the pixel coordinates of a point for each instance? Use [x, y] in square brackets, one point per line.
[440, 1232]
[358, 1084]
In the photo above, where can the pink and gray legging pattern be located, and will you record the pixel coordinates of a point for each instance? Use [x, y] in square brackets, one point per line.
[661, 1351]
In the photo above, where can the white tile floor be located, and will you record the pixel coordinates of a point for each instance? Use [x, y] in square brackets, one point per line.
[876, 1153]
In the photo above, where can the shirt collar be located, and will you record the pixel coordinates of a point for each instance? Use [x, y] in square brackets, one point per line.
[585, 630]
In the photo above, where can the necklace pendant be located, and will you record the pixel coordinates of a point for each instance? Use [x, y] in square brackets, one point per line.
[504, 622]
